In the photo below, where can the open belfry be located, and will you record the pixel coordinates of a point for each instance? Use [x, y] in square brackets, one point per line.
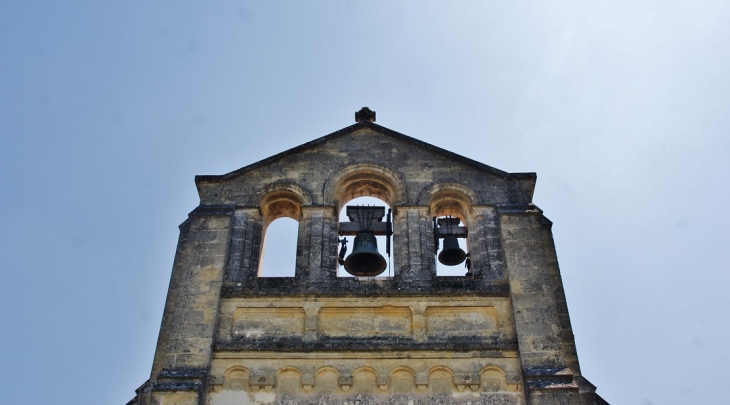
[498, 334]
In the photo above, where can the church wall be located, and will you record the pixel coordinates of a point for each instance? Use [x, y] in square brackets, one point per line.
[498, 335]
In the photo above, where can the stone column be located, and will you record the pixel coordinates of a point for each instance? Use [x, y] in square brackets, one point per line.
[413, 248]
[245, 249]
[317, 244]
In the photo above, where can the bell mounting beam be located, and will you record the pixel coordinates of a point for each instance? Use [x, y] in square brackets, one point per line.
[459, 232]
[353, 228]
[365, 219]
[448, 226]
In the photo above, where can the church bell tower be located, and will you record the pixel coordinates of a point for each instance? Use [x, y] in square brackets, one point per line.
[343, 329]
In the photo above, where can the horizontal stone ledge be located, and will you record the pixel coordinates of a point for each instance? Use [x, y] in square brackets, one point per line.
[550, 384]
[518, 209]
[292, 286]
[212, 210]
[370, 354]
[548, 372]
[228, 209]
[554, 378]
[182, 373]
[288, 344]
[178, 386]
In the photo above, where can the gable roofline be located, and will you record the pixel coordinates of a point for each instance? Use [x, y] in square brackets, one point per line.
[352, 128]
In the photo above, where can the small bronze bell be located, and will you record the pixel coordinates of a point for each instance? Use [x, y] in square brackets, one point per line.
[451, 254]
[365, 260]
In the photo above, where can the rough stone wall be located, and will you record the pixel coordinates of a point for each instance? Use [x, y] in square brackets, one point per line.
[418, 169]
[498, 336]
[340, 350]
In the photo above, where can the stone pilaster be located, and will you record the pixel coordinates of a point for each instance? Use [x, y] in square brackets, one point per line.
[478, 251]
[245, 245]
[413, 247]
[317, 244]
[485, 246]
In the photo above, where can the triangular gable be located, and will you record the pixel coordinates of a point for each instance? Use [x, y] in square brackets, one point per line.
[373, 127]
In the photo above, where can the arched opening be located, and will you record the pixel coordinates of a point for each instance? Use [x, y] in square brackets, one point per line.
[381, 240]
[459, 269]
[365, 185]
[451, 204]
[279, 252]
[281, 210]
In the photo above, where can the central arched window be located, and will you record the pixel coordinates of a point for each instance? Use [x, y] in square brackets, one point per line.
[380, 239]
[365, 185]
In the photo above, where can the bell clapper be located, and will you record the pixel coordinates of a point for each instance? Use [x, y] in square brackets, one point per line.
[343, 251]
[468, 265]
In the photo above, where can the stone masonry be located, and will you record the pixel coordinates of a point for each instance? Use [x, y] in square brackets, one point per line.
[499, 335]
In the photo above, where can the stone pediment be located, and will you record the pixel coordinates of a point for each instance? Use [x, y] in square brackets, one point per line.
[416, 162]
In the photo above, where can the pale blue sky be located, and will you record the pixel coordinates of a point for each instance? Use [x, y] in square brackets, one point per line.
[109, 109]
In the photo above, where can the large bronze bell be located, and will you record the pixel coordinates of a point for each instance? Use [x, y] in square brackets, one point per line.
[365, 260]
[451, 254]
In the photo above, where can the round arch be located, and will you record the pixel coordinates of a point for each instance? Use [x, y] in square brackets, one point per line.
[289, 370]
[231, 371]
[364, 179]
[448, 199]
[365, 370]
[493, 378]
[326, 369]
[402, 369]
[440, 369]
[304, 195]
[450, 203]
[279, 203]
[426, 194]
[236, 378]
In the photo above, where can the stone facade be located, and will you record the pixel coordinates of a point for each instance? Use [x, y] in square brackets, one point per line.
[500, 335]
